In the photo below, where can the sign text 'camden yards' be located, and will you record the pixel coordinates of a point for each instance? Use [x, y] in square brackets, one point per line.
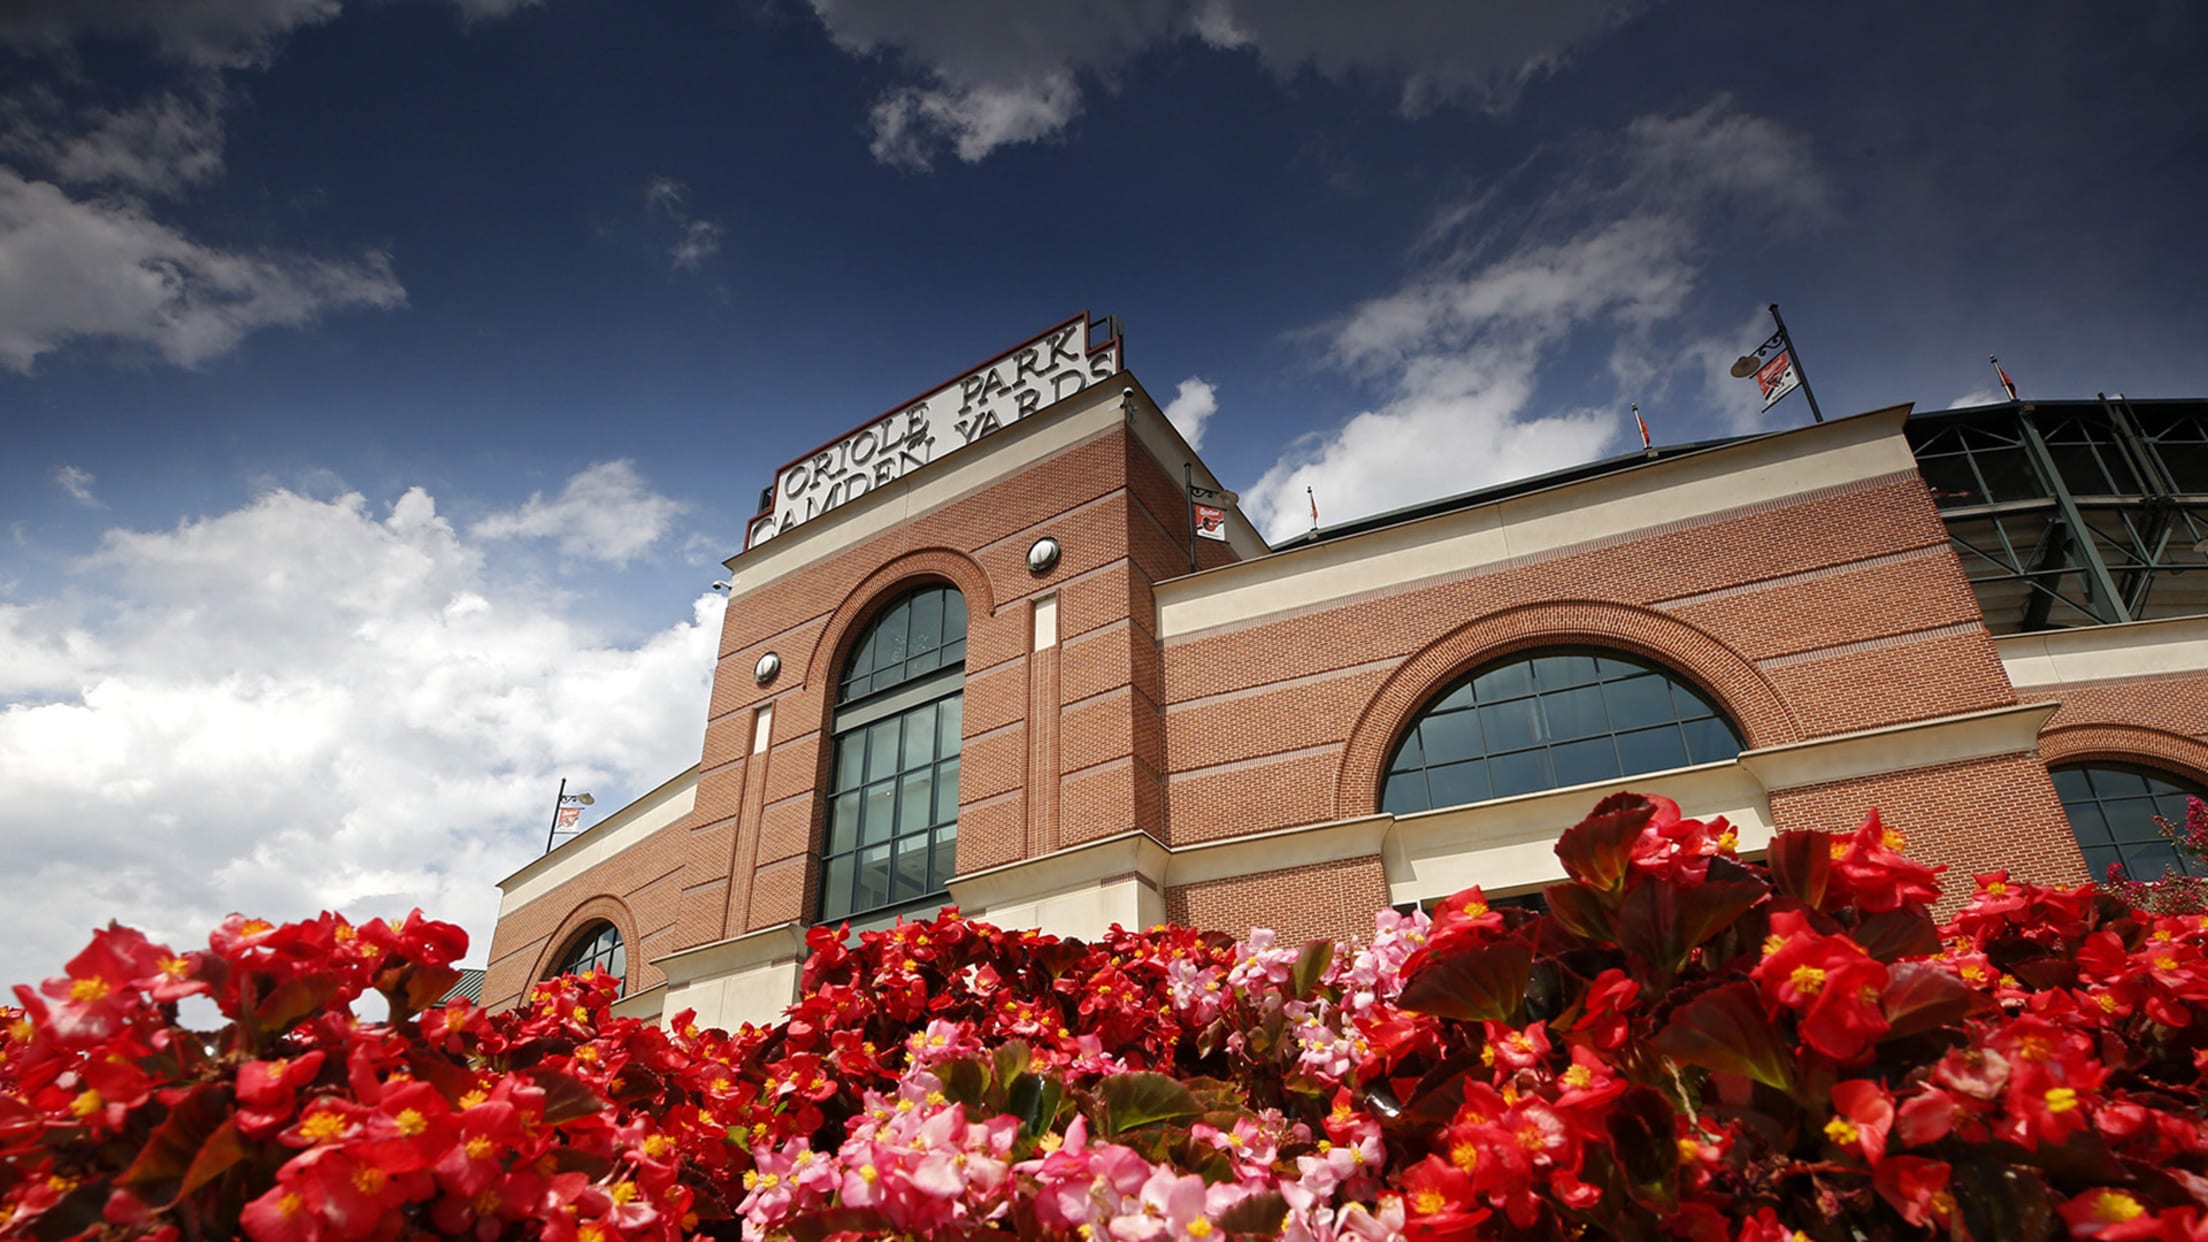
[1010, 387]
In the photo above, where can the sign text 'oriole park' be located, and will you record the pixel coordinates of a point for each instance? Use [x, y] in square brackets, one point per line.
[1000, 392]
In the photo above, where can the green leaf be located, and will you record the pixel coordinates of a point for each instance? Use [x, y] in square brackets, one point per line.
[1261, 1214]
[1485, 984]
[1310, 967]
[1663, 923]
[1035, 1100]
[566, 1097]
[1595, 851]
[1921, 996]
[1580, 911]
[1892, 935]
[1724, 1029]
[1801, 865]
[1009, 1062]
[1643, 1137]
[855, 1222]
[1139, 1099]
[965, 1081]
[177, 1142]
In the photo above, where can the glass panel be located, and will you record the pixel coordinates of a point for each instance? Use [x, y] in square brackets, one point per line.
[2098, 858]
[850, 761]
[835, 895]
[1638, 701]
[873, 889]
[1451, 736]
[1613, 668]
[889, 636]
[1651, 750]
[1562, 672]
[954, 621]
[1457, 783]
[1688, 702]
[927, 622]
[946, 857]
[2131, 819]
[1710, 740]
[1459, 697]
[617, 962]
[916, 808]
[862, 660]
[1507, 682]
[843, 823]
[946, 791]
[881, 811]
[2117, 783]
[1404, 793]
[1578, 763]
[1524, 772]
[912, 867]
[919, 736]
[2159, 787]
[881, 749]
[858, 687]
[1575, 713]
[2071, 784]
[923, 663]
[2008, 474]
[1412, 755]
[2150, 862]
[1508, 725]
[2087, 822]
[949, 715]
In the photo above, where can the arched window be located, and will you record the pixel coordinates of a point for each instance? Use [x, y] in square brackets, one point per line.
[893, 789]
[597, 948]
[1551, 719]
[2112, 809]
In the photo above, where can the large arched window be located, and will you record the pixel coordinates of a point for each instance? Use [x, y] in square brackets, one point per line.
[596, 948]
[1547, 720]
[893, 786]
[2112, 809]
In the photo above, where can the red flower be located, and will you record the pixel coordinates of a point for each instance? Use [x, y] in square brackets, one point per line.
[1833, 985]
[1865, 1114]
[1916, 1187]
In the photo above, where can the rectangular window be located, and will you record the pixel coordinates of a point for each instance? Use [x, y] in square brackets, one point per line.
[1046, 622]
[762, 729]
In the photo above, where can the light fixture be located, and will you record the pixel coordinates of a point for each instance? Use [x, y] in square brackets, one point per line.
[1043, 557]
[769, 665]
[724, 585]
[1746, 365]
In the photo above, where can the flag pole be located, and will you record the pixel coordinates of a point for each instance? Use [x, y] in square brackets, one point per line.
[1188, 478]
[1799, 369]
[557, 799]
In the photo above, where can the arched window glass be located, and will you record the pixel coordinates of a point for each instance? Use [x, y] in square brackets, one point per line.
[2112, 809]
[598, 948]
[1551, 719]
[893, 789]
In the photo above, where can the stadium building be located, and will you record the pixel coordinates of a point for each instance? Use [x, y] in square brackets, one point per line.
[986, 650]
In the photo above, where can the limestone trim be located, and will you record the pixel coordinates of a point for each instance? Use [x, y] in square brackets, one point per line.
[1278, 850]
[1780, 467]
[647, 1005]
[1087, 865]
[2105, 652]
[663, 807]
[1734, 682]
[768, 946]
[1900, 748]
[2136, 745]
[604, 908]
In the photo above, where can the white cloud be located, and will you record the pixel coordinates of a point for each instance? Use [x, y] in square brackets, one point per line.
[1191, 409]
[604, 513]
[303, 704]
[1616, 243]
[696, 240]
[222, 34]
[103, 269]
[158, 146]
[1988, 395]
[78, 483]
[989, 75]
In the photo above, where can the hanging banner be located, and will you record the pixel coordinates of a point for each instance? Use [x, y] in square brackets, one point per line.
[1211, 522]
[1778, 377]
[1015, 384]
[569, 816]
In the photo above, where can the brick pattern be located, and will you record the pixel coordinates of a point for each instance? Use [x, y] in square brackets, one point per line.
[2157, 722]
[1332, 900]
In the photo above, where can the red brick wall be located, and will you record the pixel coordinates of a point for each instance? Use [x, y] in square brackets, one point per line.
[1332, 900]
[2158, 722]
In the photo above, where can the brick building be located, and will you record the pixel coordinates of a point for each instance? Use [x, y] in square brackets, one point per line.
[975, 653]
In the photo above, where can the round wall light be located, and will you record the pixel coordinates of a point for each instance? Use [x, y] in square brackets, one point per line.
[764, 671]
[1043, 557]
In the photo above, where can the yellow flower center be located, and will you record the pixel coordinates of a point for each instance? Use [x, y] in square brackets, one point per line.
[1728, 841]
[624, 1192]
[1996, 888]
[486, 1204]
[1893, 840]
[658, 1145]
[1428, 1202]
[1579, 1076]
[1808, 980]
[1465, 1154]
[176, 967]
[411, 1122]
[86, 1104]
[291, 1205]
[1689, 1150]
[868, 1173]
[2165, 962]
[1199, 1228]
[254, 927]
[370, 1180]
[1773, 943]
[322, 1127]
[479, 1147]
[473, 1098]
[2061, 1099]
[1842, 1131]
[87, 991]
[2116, 1207]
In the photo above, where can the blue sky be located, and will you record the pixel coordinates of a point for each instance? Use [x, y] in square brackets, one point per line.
[382, 382]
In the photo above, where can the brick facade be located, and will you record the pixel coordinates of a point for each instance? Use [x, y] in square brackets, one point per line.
[1808, 614]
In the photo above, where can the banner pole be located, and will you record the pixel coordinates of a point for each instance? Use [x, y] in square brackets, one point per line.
[1188, 477]
[557, 799]
[1799, 369]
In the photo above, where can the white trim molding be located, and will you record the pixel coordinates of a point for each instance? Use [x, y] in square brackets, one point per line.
[1901, 748]
[2105, 652]
[747, 978]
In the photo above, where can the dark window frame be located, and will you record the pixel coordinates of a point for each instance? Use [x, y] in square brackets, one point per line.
[597, 947]
[1511, 726]
[2111, 822]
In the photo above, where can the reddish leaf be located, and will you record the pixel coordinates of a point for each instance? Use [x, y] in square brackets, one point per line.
[176, 1143]
[1643, 1137]
[1485, 984]
[1724, 1029]
[1132, 1101]
[566, 1097]
[1921, 996]
[1892, 935]
[1801, 865]
[282, 1008]
[1595, 851]
[1581, 912]
[1259, 1214]
[1310, 966]
[1663, 923]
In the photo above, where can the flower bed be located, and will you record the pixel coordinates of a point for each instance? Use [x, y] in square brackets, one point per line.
[1685, 1044]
